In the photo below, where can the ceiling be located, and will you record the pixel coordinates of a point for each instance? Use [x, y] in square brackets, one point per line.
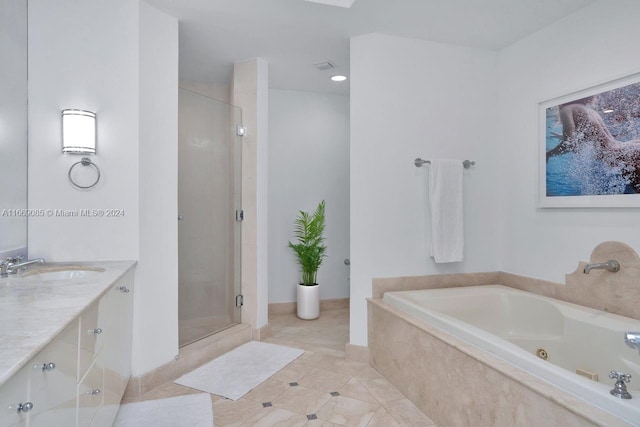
[292, 35]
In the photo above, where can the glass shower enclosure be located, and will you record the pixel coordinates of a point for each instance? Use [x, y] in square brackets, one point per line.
[209, 197]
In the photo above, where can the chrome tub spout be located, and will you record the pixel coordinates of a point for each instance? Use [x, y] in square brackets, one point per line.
[612, 265]
[632, 339]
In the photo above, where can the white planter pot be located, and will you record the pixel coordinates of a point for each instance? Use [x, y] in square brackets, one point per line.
[308, 302]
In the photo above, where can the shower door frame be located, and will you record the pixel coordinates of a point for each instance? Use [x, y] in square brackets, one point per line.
[233, 300]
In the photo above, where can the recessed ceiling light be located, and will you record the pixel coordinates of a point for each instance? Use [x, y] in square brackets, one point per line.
[338, 78]
[340, 3]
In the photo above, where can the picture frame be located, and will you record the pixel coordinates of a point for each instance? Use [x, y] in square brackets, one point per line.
[588, 157]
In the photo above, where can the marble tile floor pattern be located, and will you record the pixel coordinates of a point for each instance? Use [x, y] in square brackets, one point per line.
[320, 388]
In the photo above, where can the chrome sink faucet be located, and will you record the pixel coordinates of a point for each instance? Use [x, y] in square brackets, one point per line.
[612, 265]
[12, 264]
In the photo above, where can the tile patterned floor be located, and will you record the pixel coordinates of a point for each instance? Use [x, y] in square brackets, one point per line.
[320, 388]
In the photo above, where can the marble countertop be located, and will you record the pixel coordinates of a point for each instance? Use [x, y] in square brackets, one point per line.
[34, 310]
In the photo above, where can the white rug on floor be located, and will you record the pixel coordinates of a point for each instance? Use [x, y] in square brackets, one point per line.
[194, 410]
[237, 372]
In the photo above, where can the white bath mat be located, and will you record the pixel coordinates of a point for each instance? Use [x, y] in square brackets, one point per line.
[237, 372]
[194, 410]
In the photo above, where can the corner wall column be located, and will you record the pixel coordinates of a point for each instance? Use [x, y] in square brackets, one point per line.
[250, 92]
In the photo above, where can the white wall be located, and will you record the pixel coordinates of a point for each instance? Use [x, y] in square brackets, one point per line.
[595, 45]
[412, 98]
[308, 162]
[83, 55]
[13, 124]
[116, 58]
[156, 291]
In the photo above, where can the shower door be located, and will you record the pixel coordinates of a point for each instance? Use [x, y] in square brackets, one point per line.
[209, 184]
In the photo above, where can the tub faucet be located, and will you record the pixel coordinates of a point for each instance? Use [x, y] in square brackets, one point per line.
[620, 388]
[632, 339]
[612, 265]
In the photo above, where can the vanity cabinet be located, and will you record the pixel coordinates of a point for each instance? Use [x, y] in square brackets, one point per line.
[91, 392]
[13, 393]
[79, 378]
[117, 351]
[92, 335]
[45, 389]
[53, 379]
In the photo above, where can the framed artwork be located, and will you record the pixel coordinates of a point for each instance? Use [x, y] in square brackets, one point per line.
[590, 147]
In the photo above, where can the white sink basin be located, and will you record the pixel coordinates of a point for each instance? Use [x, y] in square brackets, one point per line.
[61, 273]
[69, 274]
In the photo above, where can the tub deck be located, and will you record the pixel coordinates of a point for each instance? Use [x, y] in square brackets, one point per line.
[487, 373]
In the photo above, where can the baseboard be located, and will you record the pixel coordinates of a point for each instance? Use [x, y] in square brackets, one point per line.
[334, 304]
[357, 353]
[262, 333]
[282, 308]
[290, 307]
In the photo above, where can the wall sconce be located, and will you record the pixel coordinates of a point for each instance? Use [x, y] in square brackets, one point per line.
[79, 137]
[78, 132]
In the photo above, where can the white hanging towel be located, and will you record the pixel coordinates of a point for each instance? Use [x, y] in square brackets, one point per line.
[445, 200]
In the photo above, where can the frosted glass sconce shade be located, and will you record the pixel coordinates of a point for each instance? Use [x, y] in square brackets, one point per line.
[78, 132]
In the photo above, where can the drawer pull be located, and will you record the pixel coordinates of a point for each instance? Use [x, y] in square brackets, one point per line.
[48, 366]
[25, 407]
[123, 289]
[97, 331]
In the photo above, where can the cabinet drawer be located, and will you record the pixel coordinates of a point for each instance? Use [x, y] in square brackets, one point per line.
[117, 348]
[90, 393]
[118, 340]
[92, 331]
[53, 379]
[13, 393]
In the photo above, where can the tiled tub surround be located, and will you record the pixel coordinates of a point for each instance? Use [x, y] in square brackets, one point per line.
[617, 293]
[34, 310]
[457, 383]
[514, 324]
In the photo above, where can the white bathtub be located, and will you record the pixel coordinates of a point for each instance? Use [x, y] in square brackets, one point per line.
[513, 325]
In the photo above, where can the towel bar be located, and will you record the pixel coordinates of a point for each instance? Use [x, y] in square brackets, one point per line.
[419, 162]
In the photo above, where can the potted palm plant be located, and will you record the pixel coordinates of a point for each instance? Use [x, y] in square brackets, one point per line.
[310, 251]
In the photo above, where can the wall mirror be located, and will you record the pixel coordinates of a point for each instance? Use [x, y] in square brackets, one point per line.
[13, 127]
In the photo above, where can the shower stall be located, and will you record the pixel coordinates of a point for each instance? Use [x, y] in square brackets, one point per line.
[209, 197]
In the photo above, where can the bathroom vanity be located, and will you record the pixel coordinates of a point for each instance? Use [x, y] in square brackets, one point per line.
[65, 344]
